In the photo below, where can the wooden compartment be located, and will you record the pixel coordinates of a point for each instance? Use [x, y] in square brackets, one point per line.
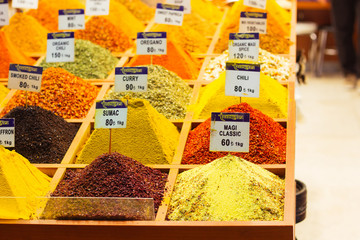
[160, 228]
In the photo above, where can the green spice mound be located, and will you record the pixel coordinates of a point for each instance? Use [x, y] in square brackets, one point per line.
[114, 175]
[228, 189]
[91, 61]
[149, 137]
[167, 92]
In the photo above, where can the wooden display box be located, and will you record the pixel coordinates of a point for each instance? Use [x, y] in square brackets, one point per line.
[161, 228]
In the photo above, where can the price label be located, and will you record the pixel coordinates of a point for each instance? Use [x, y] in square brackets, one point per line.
[255, 3]
[24, 77]
[60, 47]
[242, 80]
[7, 132]
[110, 114]
[244, 46]
[33, 4]
[169, 14]
[151, 43]
[131, 79]
[97, 7]
[185, 3]
[4, 12]
[71, 19]
[230, 132]
[253, 22]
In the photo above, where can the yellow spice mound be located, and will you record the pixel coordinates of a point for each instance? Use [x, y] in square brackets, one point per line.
[148, 137]
[272, 101]
[18, 178]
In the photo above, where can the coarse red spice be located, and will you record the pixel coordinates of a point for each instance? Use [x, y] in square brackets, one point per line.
[114, 175]
[267, 140]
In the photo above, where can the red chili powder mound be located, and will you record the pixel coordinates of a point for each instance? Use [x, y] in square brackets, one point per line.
[176, 60]
[114, 175]
[10, 54]
[267, 140]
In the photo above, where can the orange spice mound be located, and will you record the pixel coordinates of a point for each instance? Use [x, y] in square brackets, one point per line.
[176, 60]
[102, 32]
[10, 54]
[61, 92]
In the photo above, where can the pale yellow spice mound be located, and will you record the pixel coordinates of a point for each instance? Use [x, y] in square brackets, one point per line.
[228, 189]
[148, 137]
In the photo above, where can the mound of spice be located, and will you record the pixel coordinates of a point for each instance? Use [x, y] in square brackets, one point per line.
[3, 92]
[61, 92]
[185, 36]
[91, 61]
[228, 189]
[148, 137]
[167, 92]
[139, 9]
[185, 65]
[199, 24]
[272, 65]
[18, 178]
[207, 10]
[41, 136]
[122, 18]
[273, 99]
[267, 140]
[114, 175]
[26, 33]
[102, 32]
[10, 54]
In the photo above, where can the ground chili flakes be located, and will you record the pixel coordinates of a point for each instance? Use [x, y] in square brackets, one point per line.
[114, 175]
[267, 140]
[61, 92]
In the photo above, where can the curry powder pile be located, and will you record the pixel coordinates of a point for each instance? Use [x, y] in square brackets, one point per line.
[18, 178]
[148, 137]
[228, 189]
[267, 143]
[139, 9]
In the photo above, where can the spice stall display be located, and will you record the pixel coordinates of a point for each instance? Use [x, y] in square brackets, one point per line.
[20, 183]
[26, 33]
[228, 189]
[41, 136]
[276, 40]
[47, 12]
[61, 92]
[102, 32]
[273, 99]
[267, 140]
[10, 54]
[148, 137]
[91, 61]
[185, 66]
[114, 175]
[272, 65]
[166, 92]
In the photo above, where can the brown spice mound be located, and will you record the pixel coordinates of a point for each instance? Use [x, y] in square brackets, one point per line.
[114, 175]
[267, 140]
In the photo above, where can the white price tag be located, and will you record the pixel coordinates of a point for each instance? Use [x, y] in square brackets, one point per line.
[60, 47]
[255, 3]
[244, 46]
[7, 132]
[24, 77]
[110, 114]
[33, 4]
[131, 79]
[230, 132]
[151, 43]
[71, 19]
[4, 12]
[253, 22]
[97, 7]
[185, 3]
[169, 14]
[242, 80]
